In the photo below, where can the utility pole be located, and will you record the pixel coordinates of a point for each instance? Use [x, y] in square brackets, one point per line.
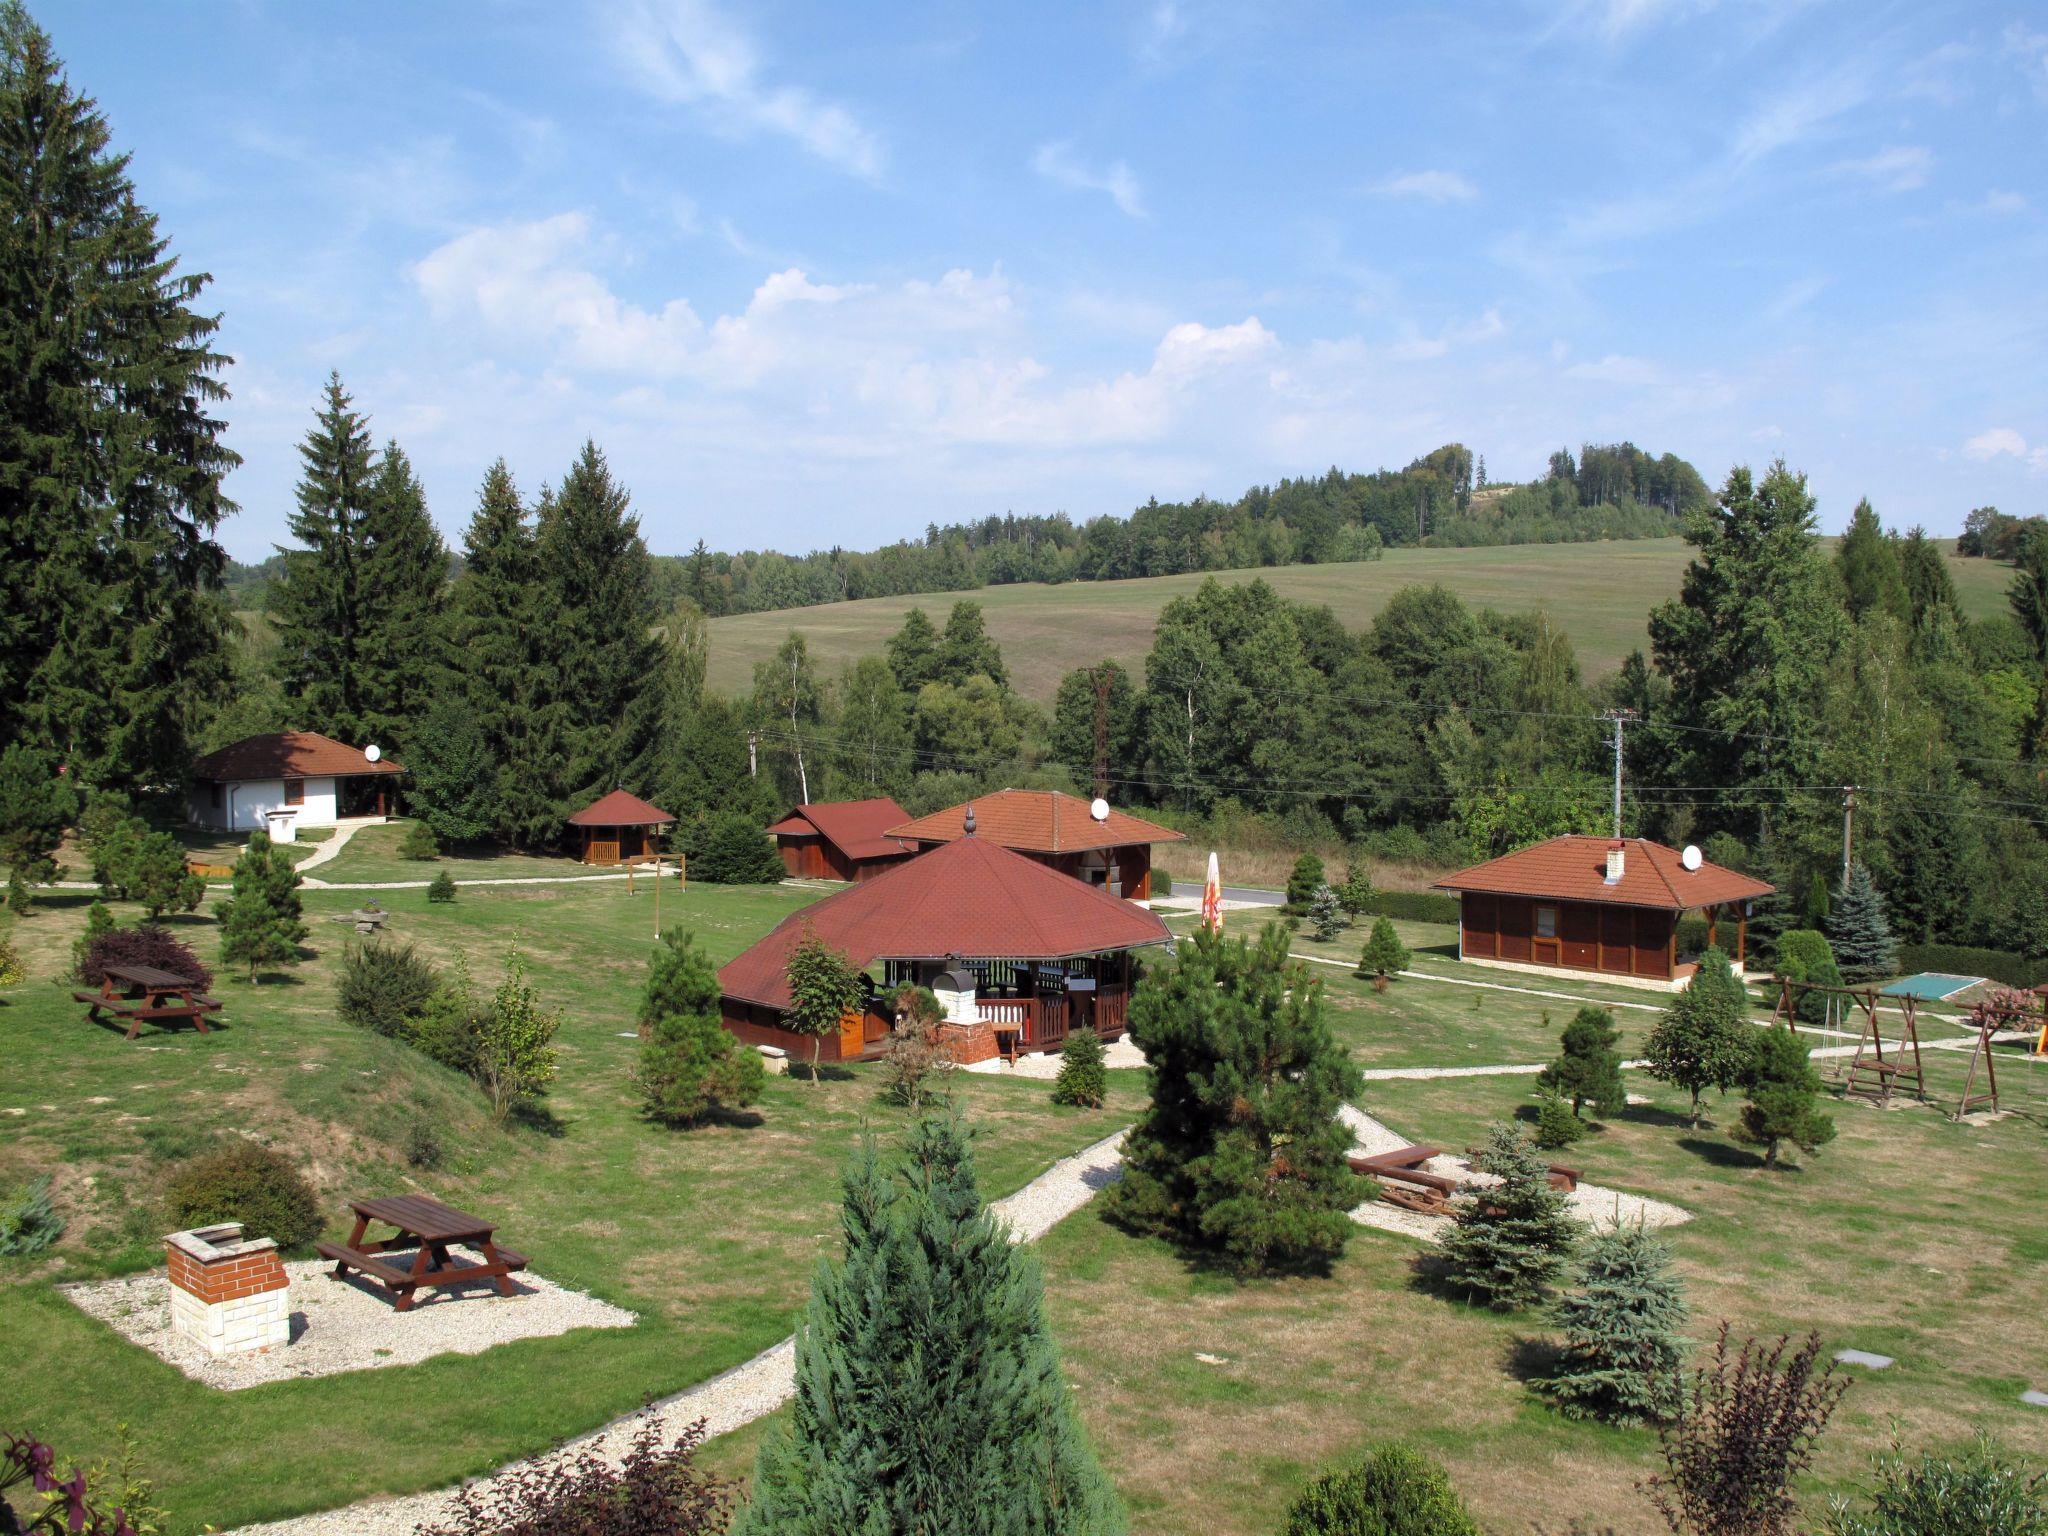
[753, 754]
[1102, 733]
[1619, 718]
[1848, 828]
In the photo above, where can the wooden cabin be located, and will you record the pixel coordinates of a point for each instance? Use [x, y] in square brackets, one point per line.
[1599, 905]
[841, 839]
[1058, 830]
[1017, 953]
[286, 780]
[618, 827]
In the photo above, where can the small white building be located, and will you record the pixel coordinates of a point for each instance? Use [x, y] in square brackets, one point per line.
[286, 780]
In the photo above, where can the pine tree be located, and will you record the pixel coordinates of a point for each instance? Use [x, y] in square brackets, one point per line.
[1303, 881]
[114, 633]
[1705, 1039]
[1622, 1346]
[1588, 1069]
[1784, 1091]
[1083, 1079]
[599, 588]
[691, 1066]
[263, 922]
[317, 602]
[36, 804]
[1384, 955]
[1509, 1244]
[1241, 1151]
[1862, 938]
[928, 1390]
[404, 590]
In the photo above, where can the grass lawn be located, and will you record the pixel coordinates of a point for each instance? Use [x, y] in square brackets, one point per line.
[372, 856]
[1600, 593]
[711, 1235]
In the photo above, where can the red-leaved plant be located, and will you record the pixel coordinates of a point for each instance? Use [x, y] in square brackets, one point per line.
[656, 1490]
[24, 1459]
[144, 944]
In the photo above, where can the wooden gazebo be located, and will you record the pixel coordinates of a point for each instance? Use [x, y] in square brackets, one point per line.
[618, 827]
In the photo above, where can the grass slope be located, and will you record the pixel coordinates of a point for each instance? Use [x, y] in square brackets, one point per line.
[1600, 594]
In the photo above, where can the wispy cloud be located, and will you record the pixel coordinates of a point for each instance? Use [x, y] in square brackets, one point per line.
[1898, 168]
[2004, 442]
[2030, 49]
[687, 51]
[1430, 186]
[1056, 162]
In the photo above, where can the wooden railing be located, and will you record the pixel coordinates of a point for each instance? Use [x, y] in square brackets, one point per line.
[1042, 1021]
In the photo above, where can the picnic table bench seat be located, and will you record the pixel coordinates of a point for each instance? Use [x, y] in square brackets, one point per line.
[110, 1004]
[429, 1227]
[368, 1263]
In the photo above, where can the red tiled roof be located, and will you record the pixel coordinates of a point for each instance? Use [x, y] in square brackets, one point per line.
[857, 828]
[970, 898]
[1037, 821]
[619, 809]
[1574, 868]
[287, 755]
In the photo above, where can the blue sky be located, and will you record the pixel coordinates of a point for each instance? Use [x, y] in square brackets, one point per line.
[817, 274]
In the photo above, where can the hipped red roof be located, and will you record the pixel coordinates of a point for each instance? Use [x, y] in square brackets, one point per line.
[287, 755]
[1574, 868]
[857, 828]
[1037, 821]
[619, 809]
[970, 898]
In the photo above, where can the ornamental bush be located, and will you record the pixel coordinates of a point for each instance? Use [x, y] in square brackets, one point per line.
[1083, 1079]
[1784, 1099]
[1392, 1491]
[441, 887]
[1982, 1492]
[1588, 1067]
[385, 988]
[1302, 884]
[144, 944]
[1556, 1126]
[98, 920]
[419, 843]
[1803, 954]
[733, 850]
[691, 1066]
[30, 1223]
[1326, 915]
[251, 1184]
[1384, 955]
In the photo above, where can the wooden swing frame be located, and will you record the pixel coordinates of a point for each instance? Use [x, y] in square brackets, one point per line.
[1871, 1075]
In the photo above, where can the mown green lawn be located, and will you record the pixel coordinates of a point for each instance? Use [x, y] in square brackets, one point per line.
[372, 856]
[710, 1235]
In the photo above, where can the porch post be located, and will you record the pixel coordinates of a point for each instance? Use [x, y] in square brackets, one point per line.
[1741, 934]
[1714, 926]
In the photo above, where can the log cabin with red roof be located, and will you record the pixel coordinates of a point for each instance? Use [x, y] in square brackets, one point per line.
[619, 827]
[1058, 830]
[841, 839]
[1016, 952]
[1600, 905]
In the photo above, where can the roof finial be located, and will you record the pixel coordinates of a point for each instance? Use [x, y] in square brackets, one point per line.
[969, 824]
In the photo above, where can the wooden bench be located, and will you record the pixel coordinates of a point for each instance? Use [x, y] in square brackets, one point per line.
[108, 1004]
[347, 1258]
[1560, 1177]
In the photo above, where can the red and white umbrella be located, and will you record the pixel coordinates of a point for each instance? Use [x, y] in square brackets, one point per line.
[1212, 898]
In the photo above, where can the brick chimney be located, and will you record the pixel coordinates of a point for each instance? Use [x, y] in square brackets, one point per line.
[228, 1293]
[1617, 856]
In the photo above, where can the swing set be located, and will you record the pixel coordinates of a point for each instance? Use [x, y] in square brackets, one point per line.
[1872, 1073]
[2006, 1010]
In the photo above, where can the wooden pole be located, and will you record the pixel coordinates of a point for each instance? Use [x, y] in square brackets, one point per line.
[657, 883]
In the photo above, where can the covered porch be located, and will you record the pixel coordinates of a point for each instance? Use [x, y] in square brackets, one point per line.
[1021, 1006]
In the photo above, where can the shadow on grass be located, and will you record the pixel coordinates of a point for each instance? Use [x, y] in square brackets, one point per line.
[824, 1072]
[1532, 1359]
[1720, 1153]
[1431, 1275]
[1657, 1115]
[1205, 1263]
[538, 1117]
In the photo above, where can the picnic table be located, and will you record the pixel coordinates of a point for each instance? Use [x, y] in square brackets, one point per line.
[429, 1226]
[144, 994]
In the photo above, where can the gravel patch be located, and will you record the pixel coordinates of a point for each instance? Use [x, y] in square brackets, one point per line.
[1046, 1064]
[347, 1325]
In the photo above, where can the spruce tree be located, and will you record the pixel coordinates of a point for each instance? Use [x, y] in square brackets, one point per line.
[599, 594]
[928, 1390]
[262, 923]
[967, 650]
[1384, 955]
[1621, 1321]
[114, 632]
[1705, 1039]
[1588, 1068]
[1083, 1079]
[1784, 1094]
[1326, 915]
[36, 804]
[1857, 929]
[317, 602]
[452, 773]
[1937, 863]
[914, 652]
[1510, 1242]
[1867, 560]
[1241, 1151]
[405, 600]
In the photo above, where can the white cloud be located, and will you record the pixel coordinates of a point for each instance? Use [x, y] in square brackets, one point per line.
[687, 51]
[1056, 163]
[2002, 442]
[1419, 348]
[1615, 368]
[1898, 168]
[2031, 50]
[1431, 186]
[1996, 201]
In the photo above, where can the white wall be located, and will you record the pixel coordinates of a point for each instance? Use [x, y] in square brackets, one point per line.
[249, 800]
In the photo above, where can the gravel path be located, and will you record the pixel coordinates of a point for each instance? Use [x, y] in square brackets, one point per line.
[743, 1394]
[343, 831]
[1046, 1064]
[346, 1325]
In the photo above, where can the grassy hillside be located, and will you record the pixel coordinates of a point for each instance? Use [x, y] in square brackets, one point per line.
[1600, 593]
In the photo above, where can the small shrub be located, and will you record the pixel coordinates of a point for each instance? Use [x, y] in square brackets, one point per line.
[1384, 955]
[691, 1067]
[441, 887]
[98, 920]
[515, 1053]
[1510, 1242]
[31, 1223]
[448, 1027]
[655, 1489]
[1083, 1079]
[423, 1146]
[914, 1060]
[250, 1184]
[108, 1499]
[735, 851]
[1556, 1126]
[1784, 1099]
[1302, 883]
[1621, 1323]
[12, 971]
[419, 843]
[1392, 1492]
[144, 944]
[1355, 894]
[1588, 1068]
[1804, 955]
[1162, 884]
[1982, 1492]
[385, 988]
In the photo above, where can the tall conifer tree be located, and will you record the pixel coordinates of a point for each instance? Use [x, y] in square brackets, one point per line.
[1858, 929]
[113, 628]
[405, 602]
[317, 603]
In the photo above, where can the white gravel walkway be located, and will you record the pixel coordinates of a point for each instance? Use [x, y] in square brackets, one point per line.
[1046, 1064]
[743, 1394]
[347, 1325]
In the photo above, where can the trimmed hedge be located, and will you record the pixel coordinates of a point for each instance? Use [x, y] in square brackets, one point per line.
[1962, 960]
[1413, 906]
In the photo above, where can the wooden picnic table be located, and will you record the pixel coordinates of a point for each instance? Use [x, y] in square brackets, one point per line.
[429, 1226]
[144, 994]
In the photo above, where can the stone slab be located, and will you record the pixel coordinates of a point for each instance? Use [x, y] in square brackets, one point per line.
[1863, 1357]
[2035, 1399]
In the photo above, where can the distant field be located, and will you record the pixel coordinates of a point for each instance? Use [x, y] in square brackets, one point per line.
[1601, 594]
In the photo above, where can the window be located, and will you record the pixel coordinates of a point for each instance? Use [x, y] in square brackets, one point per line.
[1546, 922]
[294, 791]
